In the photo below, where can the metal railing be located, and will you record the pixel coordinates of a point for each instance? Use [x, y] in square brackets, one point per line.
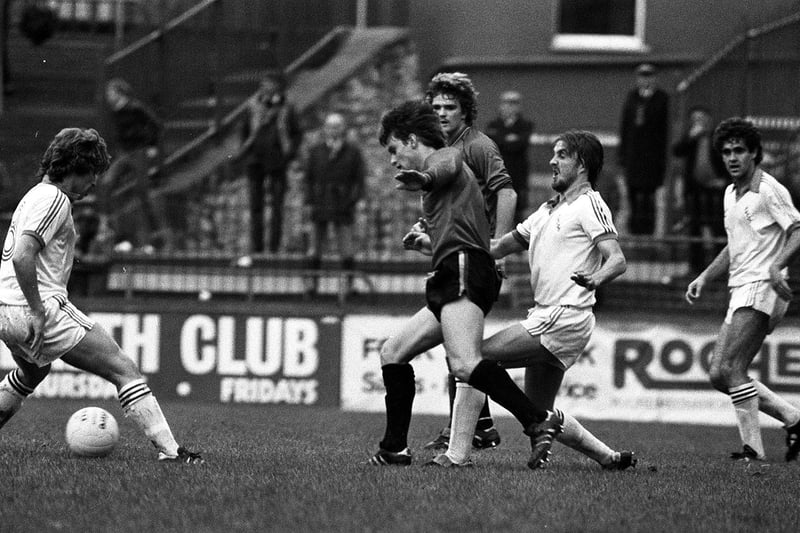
[657, 275]
[756, 75]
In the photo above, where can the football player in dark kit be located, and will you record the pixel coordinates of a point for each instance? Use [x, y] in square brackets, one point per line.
[459, 292]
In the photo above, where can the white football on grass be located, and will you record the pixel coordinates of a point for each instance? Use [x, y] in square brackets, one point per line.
[92, 432]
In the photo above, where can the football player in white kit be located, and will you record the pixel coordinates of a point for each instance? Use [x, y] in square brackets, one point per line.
[38, 323]
[572, 249]
[761, 223]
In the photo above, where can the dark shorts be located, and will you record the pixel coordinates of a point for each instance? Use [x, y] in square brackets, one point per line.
[469, 273]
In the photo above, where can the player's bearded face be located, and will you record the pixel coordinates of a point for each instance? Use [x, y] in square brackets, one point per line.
[565, 167]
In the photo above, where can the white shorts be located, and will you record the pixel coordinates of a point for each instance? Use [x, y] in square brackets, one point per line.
[564, 330]
[758, 295]
[64, 327]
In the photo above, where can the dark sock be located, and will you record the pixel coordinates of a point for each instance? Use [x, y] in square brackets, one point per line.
[485, 421]
[400, 389]
[490, 378]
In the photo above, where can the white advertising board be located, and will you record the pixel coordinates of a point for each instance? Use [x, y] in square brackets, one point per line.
[631, 370]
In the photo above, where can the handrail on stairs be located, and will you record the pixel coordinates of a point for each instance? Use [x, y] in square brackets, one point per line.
[721, 54]
[159, 33]
[240, 110]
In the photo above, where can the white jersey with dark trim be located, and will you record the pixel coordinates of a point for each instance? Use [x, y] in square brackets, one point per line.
[45, 213]
[757, 225]
[561, 238]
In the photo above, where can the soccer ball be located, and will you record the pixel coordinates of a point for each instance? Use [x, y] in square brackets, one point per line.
[92, 432]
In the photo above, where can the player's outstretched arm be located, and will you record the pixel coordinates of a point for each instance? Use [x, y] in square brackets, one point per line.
[441, 168]
[412, 180]
[614, 265]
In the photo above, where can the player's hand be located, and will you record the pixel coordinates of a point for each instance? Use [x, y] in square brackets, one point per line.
[420, 226]
[695, 289]
[500, 265]
[779, 283]
[584, 280]
[410, 180]
[35, 337]
[419, 241]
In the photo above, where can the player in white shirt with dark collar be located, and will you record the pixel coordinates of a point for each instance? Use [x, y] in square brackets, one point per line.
[38, 323]
[572, 249]
[761, 224]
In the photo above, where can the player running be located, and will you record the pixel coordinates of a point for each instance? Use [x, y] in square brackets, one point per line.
[762, 227]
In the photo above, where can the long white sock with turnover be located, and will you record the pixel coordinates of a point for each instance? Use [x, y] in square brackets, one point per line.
[12, 393]
[139, 404]
[745, 403]
[466, 411]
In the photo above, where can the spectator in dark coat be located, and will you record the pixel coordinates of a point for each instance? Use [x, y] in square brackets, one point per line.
[335, 179]
[137, 133]
[511, 132]
[704, 182]
[642, 152]
[271, 137]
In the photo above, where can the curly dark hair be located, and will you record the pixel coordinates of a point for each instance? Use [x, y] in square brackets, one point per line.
[459, 86]
[74, 150]
[412, 117]
[588, 149]
[739, 129]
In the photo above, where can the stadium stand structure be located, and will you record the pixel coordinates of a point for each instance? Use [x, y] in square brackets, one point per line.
[326, 65]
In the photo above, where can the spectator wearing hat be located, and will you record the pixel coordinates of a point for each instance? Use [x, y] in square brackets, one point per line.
[642, 152]
[511, 131]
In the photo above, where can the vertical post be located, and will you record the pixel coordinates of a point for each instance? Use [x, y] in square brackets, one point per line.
[748, 78]
[119, 24]
[216, 62]
[4, 13]
[361, 14]
[161, 41]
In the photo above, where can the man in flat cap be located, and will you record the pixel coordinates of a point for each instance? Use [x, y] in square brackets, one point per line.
[642, 151]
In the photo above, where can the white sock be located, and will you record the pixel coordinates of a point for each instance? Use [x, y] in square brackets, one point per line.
[12, 393]
[745, 403]
[139, 404]
[775, 406]
[466, 411]
[582, 440]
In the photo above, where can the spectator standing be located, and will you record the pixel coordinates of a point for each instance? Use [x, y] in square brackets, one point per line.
[642, 152]
[335, 179]
[137, 134]
[271, 137]
[511, 132]
[704, 181]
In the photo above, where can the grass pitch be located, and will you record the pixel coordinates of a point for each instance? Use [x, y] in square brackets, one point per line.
[302, 469]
